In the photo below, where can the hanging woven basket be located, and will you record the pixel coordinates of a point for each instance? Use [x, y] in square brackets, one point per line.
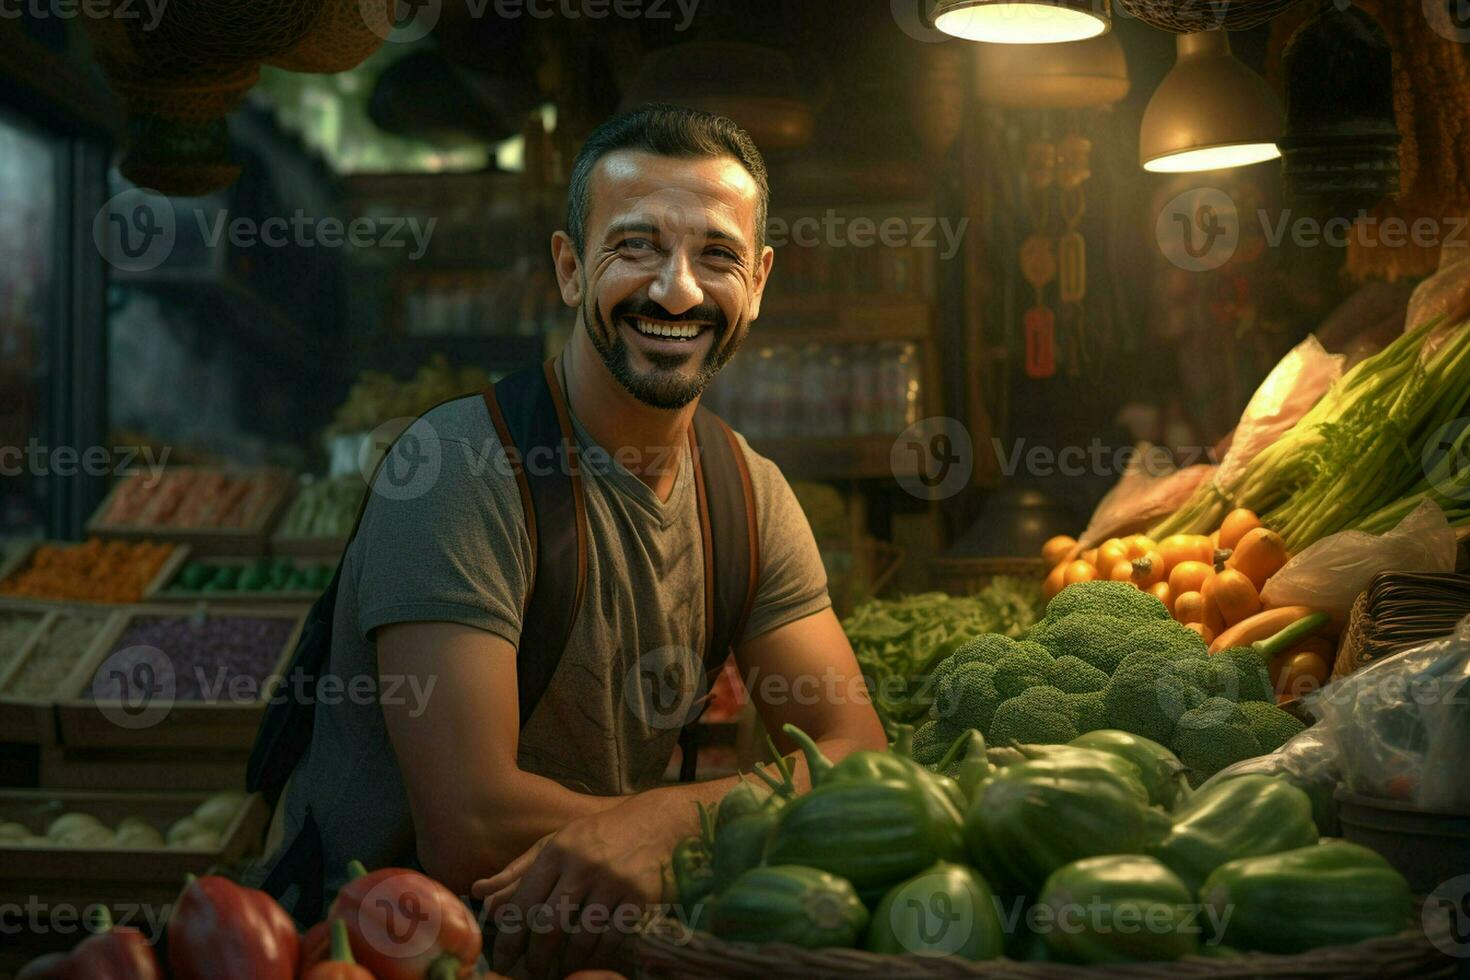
[178, 78]
[1188, 16]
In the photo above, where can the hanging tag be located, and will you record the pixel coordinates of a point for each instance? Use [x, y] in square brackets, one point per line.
[1041, 341]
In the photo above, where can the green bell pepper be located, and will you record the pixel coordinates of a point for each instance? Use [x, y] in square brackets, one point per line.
[693, 863]
[940, 795]
[1077, 758]
[1328, 894]
[1031, 818]
[974, 763]
[740, 840]
[789, 904]
[1242, 817]
[1118, 908]
[1161, 770]
[947, 910]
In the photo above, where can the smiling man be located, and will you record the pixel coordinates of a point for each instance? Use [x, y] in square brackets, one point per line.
[563, 806]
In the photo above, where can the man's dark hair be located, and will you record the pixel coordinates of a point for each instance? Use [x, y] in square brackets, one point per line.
[670, 131]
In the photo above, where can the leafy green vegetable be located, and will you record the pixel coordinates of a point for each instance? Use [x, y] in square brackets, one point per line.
[899, 642]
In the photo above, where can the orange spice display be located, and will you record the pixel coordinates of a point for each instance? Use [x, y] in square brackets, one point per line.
[94, 571]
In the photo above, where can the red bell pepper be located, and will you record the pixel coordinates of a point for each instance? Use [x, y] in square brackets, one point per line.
[406, 926]
[222, 931]
[316, 945]
[341, 965]
[111, 953]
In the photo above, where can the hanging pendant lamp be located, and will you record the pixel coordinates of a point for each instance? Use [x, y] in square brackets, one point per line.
[1023, 21]
[1210, 112]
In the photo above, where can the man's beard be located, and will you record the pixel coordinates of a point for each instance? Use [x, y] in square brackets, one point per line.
[663, 387]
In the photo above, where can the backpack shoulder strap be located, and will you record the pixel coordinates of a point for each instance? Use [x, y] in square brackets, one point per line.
[529, 412]
[731, 543]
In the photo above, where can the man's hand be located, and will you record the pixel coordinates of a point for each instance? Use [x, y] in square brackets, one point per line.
[578, 888]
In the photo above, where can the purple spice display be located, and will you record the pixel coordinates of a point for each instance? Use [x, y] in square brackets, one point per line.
[215, 658]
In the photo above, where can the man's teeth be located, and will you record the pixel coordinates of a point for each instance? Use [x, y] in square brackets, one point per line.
[678, 331]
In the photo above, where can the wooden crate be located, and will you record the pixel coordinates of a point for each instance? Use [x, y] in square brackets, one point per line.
[138, 885]
[250, 541]
[288, 546]
[194, 726]
[21, 560]
[66, 767]
[161, 593]
[32, 720]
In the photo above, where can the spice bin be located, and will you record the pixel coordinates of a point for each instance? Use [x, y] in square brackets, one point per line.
[189, 680]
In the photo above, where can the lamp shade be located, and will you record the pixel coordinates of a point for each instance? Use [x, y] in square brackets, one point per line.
[1052, 76]
[1023, 21]
[1210, 112]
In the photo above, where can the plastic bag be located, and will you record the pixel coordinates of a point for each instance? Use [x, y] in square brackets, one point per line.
[1294, 385]
[1445, 294]
[1309, 761]
[1142, 495]
[1402, 724]
[1329, 574]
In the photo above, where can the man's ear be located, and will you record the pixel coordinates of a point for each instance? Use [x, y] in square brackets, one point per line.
[568, 275]
[759, 280]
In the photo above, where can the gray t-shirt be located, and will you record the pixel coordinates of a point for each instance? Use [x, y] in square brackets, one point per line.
[444, 539]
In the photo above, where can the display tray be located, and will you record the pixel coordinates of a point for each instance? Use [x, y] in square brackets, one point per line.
[29, 716]
[223, 716]
[21, 559]
[250, 541]
[170, 591]
[58, 866]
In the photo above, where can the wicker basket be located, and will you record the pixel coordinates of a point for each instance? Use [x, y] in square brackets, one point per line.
[666, 948]
[1188, 16]
[963, 576]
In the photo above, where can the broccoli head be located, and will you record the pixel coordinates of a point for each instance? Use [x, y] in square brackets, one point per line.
[1097, 640]
[966, 698]
[1167, 636]
[929, 744]
[1212, 736]
[1147, 694]
[1077, 676]
[990, 648]
[1038, 715]
[1029, 665]
[1240, 675]
[1087, 711]
[1119, 599]
[1269, 724]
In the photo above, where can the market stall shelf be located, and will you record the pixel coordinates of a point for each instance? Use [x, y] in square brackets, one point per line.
[50, 662]
[132, 881]
[188, 681]
[248, 580]
[216, 511]
[16, 585]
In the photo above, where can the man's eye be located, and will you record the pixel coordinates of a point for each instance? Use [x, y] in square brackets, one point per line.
[723, 254]
[638, 245]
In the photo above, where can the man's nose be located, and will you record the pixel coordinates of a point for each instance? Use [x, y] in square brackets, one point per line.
[676, 288]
